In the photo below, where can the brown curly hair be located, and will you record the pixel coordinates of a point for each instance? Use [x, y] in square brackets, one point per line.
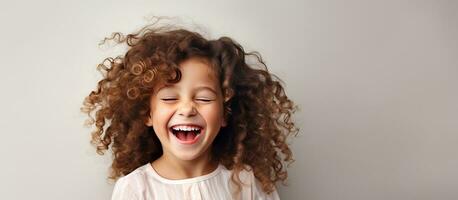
[257, 110]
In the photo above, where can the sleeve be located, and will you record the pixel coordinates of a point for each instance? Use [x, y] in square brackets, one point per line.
[123, 190]
[258, 193]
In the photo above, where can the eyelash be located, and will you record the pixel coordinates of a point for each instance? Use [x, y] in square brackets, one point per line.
[169, 99]
[173, 99]
[204, 100]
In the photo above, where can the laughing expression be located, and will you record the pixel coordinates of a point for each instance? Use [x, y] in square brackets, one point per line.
[187, 116]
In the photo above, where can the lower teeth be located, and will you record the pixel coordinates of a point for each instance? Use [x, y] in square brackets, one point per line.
[186, 136]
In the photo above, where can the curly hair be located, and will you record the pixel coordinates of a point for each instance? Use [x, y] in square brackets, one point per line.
[256, 108]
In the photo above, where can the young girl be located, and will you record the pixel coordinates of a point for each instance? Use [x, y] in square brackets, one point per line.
[189, 118]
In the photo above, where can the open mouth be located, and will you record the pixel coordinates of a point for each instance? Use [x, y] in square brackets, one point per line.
[186, 133]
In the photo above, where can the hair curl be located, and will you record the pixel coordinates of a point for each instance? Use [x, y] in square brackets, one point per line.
[257, 109]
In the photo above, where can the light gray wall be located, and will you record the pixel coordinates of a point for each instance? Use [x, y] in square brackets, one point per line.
[376, 82]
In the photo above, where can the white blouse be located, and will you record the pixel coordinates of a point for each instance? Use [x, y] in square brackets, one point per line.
[144, 183]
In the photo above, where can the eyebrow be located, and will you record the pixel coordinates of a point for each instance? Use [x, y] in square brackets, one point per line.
[197, 89]
[206, 88]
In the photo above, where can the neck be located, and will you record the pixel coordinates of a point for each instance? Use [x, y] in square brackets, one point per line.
[171, 168]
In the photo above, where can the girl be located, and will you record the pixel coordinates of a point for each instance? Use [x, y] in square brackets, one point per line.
[188, 118]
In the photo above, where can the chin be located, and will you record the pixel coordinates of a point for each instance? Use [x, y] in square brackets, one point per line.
[188, 156]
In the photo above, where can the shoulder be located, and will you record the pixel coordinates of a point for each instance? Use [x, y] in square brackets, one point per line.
[252, 188]
[132, 185]
[136, 178]
[124, 189]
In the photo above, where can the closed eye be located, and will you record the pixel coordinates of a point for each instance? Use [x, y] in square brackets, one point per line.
[204, 100]
[169, 99]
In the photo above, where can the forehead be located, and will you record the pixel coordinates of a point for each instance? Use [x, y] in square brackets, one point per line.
[195, 73]
[198, 67]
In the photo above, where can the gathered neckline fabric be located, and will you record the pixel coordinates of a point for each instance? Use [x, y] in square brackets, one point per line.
[144, 183]
[154, 173]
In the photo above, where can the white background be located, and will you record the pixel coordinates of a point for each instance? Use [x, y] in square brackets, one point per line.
[376, 81]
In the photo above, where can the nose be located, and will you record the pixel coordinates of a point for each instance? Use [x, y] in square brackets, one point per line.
[187, 109]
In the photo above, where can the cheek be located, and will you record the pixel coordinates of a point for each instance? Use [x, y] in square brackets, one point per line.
[160, 119]
[213, 114]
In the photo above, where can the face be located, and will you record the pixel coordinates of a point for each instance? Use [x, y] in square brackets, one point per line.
[188, 115]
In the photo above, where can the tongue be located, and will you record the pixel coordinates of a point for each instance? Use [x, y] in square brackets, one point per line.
[186, 135]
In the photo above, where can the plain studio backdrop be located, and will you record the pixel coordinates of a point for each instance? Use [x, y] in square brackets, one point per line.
[376, 83]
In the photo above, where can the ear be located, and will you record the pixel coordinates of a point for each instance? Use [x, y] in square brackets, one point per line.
[227, 112]
[149, 121]
[224, 123]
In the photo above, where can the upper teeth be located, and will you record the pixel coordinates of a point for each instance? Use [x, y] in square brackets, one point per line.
[185, 128]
